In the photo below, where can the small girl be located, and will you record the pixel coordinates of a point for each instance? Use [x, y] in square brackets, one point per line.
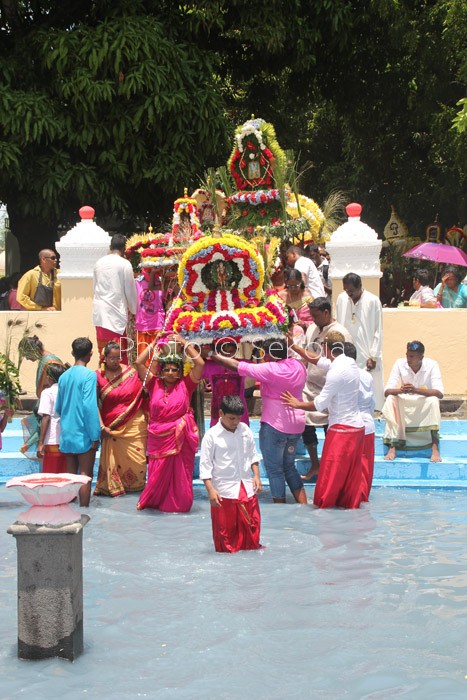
[53, 460]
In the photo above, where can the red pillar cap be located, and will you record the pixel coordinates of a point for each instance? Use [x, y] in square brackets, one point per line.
[353, 209]
[86, 213]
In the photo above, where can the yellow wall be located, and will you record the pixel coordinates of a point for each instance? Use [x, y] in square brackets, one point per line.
[57, 328]
[443, 332]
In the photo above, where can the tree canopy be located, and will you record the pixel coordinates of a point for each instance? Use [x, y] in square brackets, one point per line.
[122, 103]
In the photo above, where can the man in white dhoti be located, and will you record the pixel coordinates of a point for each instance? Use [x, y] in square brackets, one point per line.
[361, 313]
[411, 408]
[320, 310]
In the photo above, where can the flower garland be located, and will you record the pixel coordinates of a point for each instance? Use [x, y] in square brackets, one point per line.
[255, 140]
[155, 252]
[188, 206]
[248, 324]
[255, 198]
[307, 209]
[226, 248]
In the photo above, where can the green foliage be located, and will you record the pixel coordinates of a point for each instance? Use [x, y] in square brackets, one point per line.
[88, 109]
[382, 131]
[122, 103]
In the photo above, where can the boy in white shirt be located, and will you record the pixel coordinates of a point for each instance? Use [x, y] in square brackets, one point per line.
[229, 467]
[53, 460]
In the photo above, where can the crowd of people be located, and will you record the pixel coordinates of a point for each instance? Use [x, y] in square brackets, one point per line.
[326, 373]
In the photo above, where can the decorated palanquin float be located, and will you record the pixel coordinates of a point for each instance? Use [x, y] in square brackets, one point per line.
[266, 203]
[164, 250]
[221, 294]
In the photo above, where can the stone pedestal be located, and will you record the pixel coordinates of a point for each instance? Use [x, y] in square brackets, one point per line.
[50, 589]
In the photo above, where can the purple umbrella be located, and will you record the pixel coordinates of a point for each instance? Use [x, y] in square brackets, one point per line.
[439, 253]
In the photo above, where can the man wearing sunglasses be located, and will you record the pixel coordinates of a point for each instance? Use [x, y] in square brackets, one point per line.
[411, 409]
[39, 289]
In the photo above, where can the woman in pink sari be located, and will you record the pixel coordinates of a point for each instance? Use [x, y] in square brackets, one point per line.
[172, 431]
[122, 465]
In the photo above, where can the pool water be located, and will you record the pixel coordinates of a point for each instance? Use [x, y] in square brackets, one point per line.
[367, 604]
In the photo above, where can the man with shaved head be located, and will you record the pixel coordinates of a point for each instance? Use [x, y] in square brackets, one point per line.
[39, 289]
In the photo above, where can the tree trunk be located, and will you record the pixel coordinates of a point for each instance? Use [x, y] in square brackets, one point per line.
[33, 235]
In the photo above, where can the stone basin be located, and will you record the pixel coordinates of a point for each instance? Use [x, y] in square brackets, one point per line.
[49, 496]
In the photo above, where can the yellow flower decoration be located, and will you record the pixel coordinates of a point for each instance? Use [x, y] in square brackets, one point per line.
[307, 208]
[228, 240]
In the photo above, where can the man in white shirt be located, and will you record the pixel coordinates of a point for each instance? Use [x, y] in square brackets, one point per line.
[361, 313]
[423, 295]
[229, 467]
[366, 406]
[340, 475]
[320, 310]
[313, 252]
[114, 296]
[412, 409]
[294, 258]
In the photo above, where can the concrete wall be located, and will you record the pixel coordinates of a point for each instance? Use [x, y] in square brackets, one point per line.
[443, 332]
[57, 328]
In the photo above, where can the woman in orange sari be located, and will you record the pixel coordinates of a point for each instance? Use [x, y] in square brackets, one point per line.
[172, 435]
[122, 465]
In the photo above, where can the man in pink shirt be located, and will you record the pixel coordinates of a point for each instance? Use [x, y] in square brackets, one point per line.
[281, 426]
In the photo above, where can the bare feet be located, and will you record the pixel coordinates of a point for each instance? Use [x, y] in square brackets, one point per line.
[391, 454]
[435, 455]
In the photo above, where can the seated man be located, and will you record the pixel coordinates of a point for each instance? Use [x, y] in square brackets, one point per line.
[423, 295]
[412, 407]
[39, 289]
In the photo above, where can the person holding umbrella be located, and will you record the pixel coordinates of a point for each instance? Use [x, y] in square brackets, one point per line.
[450, 292]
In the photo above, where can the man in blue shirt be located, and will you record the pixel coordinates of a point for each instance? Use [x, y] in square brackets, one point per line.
[79, 416]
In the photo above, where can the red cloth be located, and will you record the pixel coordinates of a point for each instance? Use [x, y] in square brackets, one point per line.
[224, 382]
[368, 463]
[54, 461]
[340, 472]
[104, 336]
[236, 523]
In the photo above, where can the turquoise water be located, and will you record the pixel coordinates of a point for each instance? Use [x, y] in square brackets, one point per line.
[368, 604]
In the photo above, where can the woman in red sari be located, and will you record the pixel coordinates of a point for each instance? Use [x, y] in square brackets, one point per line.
[172, 432]
[122, 465]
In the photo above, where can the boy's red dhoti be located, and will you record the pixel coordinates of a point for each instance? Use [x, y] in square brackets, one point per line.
[340, 473]
[236, 523]
[54, 461]
[368, 464]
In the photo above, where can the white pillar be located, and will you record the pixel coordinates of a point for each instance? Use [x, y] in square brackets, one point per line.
[355, 247]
